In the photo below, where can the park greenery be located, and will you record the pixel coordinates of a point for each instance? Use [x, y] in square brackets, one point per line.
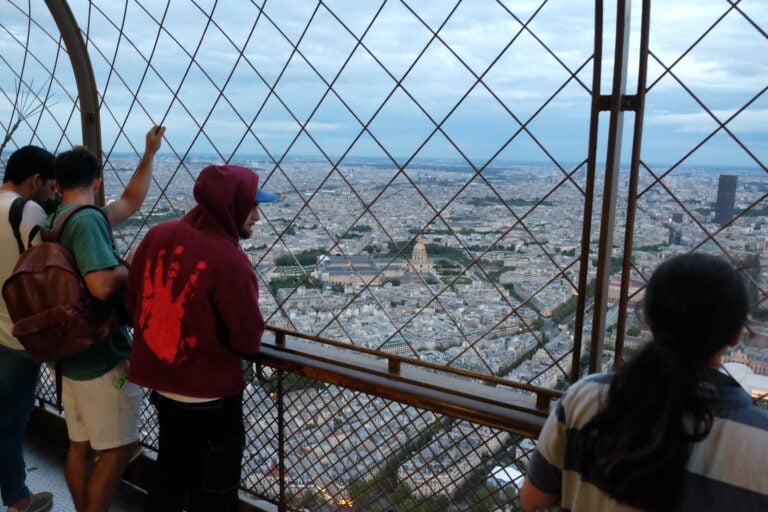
[514, 201]
[306, 258]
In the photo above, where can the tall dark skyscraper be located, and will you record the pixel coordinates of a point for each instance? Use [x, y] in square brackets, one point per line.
[726, 198]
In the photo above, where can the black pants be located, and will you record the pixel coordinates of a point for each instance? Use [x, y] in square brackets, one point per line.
[198, 463]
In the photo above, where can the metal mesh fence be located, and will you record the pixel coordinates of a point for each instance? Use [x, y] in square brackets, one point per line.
[432, 163]
[396, 225]
[324, 447]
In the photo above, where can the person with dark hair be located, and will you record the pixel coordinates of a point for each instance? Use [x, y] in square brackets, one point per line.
[28, 175]
[100, 409]
[194, 297]
[666, 431]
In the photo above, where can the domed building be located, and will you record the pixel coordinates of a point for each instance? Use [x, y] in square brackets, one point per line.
[365, 270]
[419, 259]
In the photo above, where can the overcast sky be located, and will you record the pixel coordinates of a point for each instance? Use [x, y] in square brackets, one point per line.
[542, 81]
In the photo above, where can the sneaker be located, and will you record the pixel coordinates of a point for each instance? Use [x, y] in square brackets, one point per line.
[40, 502]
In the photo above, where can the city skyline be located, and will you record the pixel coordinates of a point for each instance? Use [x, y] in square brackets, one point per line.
[443, 163]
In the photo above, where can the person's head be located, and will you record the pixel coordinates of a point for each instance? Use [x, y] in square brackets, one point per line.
[34, 165]
[77, 168]
[230, 195]
[262, 196]
[696, 304]
[26, 162]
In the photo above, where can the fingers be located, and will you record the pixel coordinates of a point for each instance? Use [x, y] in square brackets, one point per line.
[155, 138]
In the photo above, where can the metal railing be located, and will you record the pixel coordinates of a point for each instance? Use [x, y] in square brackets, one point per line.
[333, 427]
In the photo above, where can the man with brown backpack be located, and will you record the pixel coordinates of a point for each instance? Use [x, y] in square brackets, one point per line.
[27, 184]
[100, 407]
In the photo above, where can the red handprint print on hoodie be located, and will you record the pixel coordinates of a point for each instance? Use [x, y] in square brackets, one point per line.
[194, 294]
[162, 311]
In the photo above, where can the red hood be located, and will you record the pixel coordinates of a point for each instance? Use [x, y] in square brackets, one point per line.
[225, 195]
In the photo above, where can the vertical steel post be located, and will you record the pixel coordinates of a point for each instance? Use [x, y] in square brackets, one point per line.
[282, 501]
[589, 194]
[282, 505]
[610, 186]
[638, 105]
[84, 78]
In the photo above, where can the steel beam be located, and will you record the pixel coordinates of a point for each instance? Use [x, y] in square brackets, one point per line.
[84, 77]
[610, 185]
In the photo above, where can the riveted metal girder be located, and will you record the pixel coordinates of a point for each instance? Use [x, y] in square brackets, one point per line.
[84, 77]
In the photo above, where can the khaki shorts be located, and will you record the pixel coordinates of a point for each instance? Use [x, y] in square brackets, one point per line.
[96, 411]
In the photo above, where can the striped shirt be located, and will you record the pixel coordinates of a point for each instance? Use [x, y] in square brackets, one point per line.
[726, 471]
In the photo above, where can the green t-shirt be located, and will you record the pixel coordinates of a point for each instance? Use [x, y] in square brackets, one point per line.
[88, 235]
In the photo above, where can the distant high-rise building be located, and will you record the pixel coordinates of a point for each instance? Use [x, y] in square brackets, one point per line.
[726, 198]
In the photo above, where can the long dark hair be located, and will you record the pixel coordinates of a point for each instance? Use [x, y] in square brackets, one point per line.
[636, 448]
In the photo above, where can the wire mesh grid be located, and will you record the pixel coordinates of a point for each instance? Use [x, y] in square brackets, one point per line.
[344, 449]
[398, 230]
[343, 236]
[688, 205]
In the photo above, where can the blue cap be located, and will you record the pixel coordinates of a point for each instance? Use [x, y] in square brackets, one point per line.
[264, 197]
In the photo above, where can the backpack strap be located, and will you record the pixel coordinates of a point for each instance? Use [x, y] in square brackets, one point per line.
[59, 375]
[14, 217]
[54, 234]
[32, 234]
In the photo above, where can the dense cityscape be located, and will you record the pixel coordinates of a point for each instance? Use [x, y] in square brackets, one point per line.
[462, 270]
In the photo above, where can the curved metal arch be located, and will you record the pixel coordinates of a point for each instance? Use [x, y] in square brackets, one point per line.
[84, 78]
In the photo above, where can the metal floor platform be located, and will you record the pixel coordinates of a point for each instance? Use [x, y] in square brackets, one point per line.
[45, 472]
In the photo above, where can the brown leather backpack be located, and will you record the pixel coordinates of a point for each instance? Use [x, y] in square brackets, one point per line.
[54, 315]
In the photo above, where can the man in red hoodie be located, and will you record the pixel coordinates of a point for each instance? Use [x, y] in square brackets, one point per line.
[194, 298]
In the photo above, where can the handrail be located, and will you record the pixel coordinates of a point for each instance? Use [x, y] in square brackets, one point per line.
[450, 391]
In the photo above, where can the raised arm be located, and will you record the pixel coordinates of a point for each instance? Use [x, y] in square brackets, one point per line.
[136, 190]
